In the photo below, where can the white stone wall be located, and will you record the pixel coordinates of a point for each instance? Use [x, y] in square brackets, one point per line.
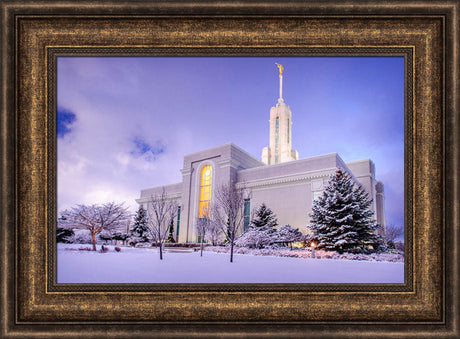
[380, 206]
[291, 203]
[364, 172]
[226, 161]
[173, 192]
[287, 188]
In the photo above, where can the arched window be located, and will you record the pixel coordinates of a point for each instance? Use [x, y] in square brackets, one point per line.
[205, 191]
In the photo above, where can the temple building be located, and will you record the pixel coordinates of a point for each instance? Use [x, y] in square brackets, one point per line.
[284, 183]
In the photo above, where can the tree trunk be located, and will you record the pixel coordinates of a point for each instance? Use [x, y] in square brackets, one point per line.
[93, 235]
[201, 247]
[231, 251]
[161, 251]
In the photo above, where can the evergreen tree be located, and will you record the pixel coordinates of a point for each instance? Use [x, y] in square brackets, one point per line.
[63, 235]
[171, 233]
[139, 228]
[341, 219]
[119, 236]
[264, 218]
[366, 226]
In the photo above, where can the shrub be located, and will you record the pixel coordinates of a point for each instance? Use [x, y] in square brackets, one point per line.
[399, 246]
[80, 237]
[255, 238]
[63, 235]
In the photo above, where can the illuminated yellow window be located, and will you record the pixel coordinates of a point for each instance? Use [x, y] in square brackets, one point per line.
[205, 191]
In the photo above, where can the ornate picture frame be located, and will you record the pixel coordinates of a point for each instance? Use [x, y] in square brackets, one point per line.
[33, 305]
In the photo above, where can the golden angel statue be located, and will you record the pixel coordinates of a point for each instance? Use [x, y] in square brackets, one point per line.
[281, 68]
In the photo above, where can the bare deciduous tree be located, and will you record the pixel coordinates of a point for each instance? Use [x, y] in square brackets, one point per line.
[95, 218]
[214, 232]
[392, 232]
[228, 211]
[161, 213]
[202, 226]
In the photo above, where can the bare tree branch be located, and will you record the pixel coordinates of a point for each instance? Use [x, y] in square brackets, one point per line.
[392, 232]
[162, 211]
[202, 225]
[228, 211]
[95, 218]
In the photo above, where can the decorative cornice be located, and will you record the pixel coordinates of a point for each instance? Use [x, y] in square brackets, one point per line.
[229, 163]
[172, 196]
[287, 179]
[186, 171]
[364, 176]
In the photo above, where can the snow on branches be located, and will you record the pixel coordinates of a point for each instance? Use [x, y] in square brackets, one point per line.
[261, 229]
[139, 230]
[263, 233]
[201, 226]
[261, 237]
[288, 234]
[95, 218]
[341, 217]
[264, 217]
[162, 212]
[255, 238]
[228, 211]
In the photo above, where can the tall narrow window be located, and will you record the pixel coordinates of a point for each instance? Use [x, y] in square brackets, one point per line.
[277, 139]
[205, 191]
[247, 206]
[178, 223]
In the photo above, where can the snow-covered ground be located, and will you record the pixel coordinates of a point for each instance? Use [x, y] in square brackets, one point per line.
[136, 265]
[307, 253]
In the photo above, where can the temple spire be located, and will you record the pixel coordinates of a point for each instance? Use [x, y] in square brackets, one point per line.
[280, 146]
[281, 82]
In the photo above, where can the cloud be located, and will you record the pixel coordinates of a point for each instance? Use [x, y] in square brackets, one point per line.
[109, 158]
[125, 124]
[143, 148]
[65, 119]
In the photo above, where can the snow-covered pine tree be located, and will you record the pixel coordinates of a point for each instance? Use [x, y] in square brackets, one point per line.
[261, 230]
[139, 228]
[366, 226]
[264, 216]
[341, 219]
[64, 235]
[121, 236]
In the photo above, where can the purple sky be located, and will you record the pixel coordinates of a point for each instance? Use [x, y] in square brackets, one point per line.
[124, 124]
